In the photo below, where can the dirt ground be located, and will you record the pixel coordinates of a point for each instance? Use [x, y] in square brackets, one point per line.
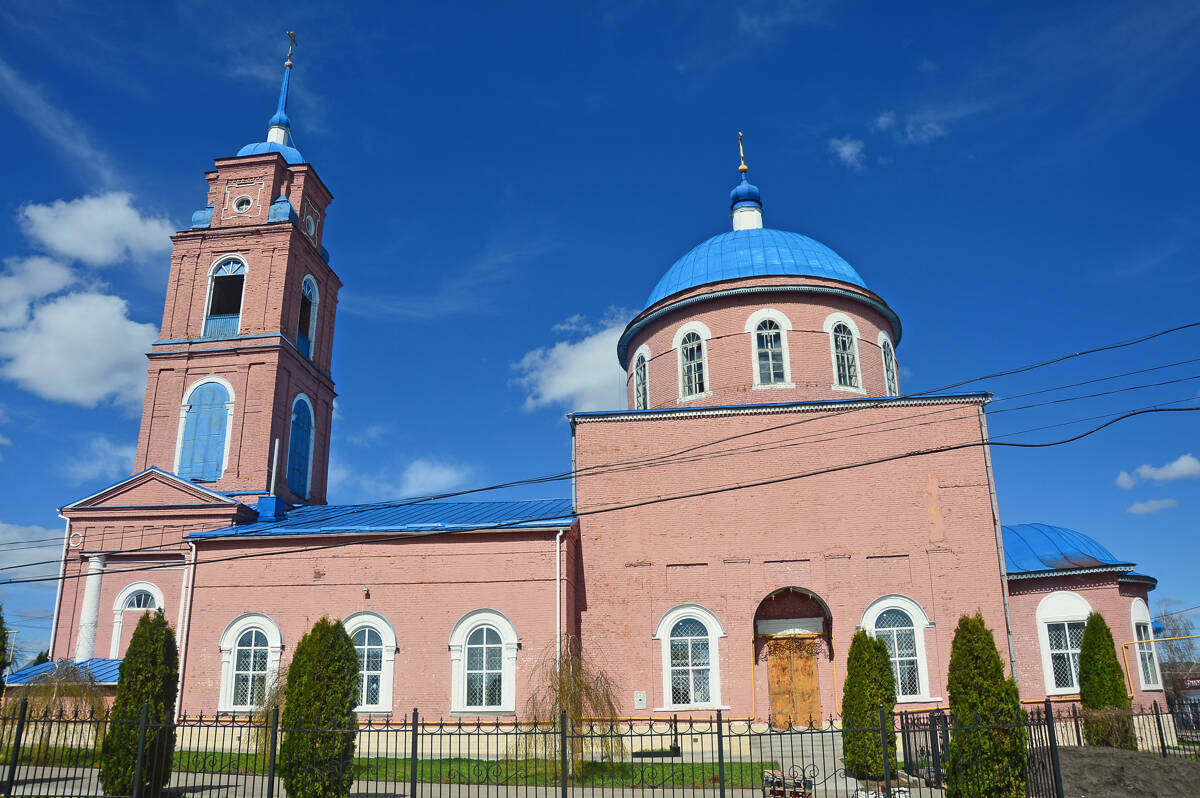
[1112, 773]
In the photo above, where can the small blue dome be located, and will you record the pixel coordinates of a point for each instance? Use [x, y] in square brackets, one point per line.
[1030, 548]
[753, 253]
[290, 154]
[744, 193]
[280, 119]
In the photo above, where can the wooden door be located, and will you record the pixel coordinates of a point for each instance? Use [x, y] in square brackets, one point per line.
[792, 677]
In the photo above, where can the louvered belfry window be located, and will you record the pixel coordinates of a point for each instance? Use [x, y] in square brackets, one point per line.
[202, 449]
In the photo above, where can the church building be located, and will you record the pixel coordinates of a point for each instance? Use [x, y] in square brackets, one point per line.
[769, 490]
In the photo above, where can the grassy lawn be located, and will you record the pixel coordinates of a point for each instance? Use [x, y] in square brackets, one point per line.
[534, 772]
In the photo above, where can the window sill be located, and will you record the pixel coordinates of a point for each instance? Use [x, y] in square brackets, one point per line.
[373, 710]
[693, 397]
[849, 389]
[1154, 688]
[1058, 692]
[918, 699]
[481, 713]
[774, 385]
[692, 708]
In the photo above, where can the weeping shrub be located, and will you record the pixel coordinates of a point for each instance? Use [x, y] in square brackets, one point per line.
[1105, 704]
[869, 683]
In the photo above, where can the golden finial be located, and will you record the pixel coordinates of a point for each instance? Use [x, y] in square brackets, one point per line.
[742, 155]
[292, 39]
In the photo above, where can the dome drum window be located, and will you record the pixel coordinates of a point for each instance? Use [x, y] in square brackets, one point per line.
[889, 366]
[641, 394]
[223, 318]
[844, 358]
[769, 347]
[691, 359]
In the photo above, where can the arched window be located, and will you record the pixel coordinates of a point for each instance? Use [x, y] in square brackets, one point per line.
[204, 431]
[225, 285]
[641, 393]
[483, 660]
[691, 666]
[250, 649]
[1061, 617]
[843, 349]
[136, 598]
[889, 365]
[369, 646]
[300, 440]
[691, 355]
[1148, 670]
[768, 340]
[306, 328]
[900, 623]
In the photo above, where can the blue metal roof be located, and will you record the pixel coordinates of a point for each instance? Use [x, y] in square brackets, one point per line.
[104, 671]
[753, 253]
[335, 519]
[290, 154]
[1032, 548]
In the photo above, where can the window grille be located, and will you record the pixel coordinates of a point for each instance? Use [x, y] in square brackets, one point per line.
[202, 448]
[1065, 638]
[692, 355]
[843, 349]
[140, 600]
[250, 669]
[485, 658]
[769, 344]
[889, 369]
[690, 665]
[369, 645]
[641, 398]
[1146, 658]
[895, 628]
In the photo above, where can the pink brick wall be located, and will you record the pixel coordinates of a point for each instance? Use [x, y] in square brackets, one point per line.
[730, 350]
[921, 527]
[1105, 595]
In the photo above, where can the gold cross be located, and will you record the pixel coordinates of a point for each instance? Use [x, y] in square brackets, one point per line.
[742, 155]
[292, 38]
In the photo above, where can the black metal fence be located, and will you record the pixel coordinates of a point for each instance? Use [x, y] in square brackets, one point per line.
[59, 755]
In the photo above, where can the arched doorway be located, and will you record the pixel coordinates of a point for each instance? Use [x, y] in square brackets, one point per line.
[791, 631]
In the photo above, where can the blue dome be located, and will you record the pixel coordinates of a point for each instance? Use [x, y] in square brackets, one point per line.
[290, 154]
[744, 193]
[1030, 548]
[753, 253]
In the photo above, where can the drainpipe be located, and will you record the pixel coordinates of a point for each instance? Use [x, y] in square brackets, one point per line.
[186, 624]
[987, 459]
[558, 599]
[62, 572]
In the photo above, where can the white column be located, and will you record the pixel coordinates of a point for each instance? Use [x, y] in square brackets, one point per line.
[85, 643]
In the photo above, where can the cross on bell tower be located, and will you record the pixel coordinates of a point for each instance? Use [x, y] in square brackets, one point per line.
[239, 395]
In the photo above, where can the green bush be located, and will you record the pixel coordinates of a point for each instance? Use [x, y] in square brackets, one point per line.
[149, 676]
[987, 742]
[316, 756]
[869, 683]
[1106, 717]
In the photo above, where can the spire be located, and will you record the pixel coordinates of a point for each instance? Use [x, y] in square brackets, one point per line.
[279, 127]
[745, 201]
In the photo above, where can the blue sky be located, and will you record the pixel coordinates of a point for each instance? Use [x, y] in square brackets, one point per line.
[1017, 180]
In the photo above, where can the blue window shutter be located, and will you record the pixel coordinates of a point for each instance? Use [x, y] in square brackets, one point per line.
[299, 444]
[203, 450]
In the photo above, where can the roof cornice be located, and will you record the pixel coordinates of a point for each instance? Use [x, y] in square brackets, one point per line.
[785, 407]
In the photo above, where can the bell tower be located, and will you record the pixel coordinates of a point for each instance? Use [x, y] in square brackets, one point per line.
[239, 395]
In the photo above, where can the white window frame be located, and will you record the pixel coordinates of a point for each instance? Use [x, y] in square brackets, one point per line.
[458, 667]
[1061, 606]
[702, 330]
[387, 633]
[921, 622]
[312, 314]
[643, 351]
[312, 441]
[831, 321]
[227, 644]
[208, 293]
[785, 327]
[186, 406]
[1139, 613]
[887, 388]
[119, 611]
[715, 632]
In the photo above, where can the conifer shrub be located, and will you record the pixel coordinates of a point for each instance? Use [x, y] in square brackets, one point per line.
[316, 757]
[1105, 703]
[149, 676]
[869, 683]
[987, 751]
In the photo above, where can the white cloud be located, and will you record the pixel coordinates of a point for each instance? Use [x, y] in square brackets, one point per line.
[102, 458]
[26, 281]
[98, 230]
[580, 375]
[930, 124]
[765, 20]
[1186, 466]
[1125, 481]
[421, 476]
[850, 151]
[57, 126]
[24, 556]
[80, 348]
[1151, 506]
[885, 121]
